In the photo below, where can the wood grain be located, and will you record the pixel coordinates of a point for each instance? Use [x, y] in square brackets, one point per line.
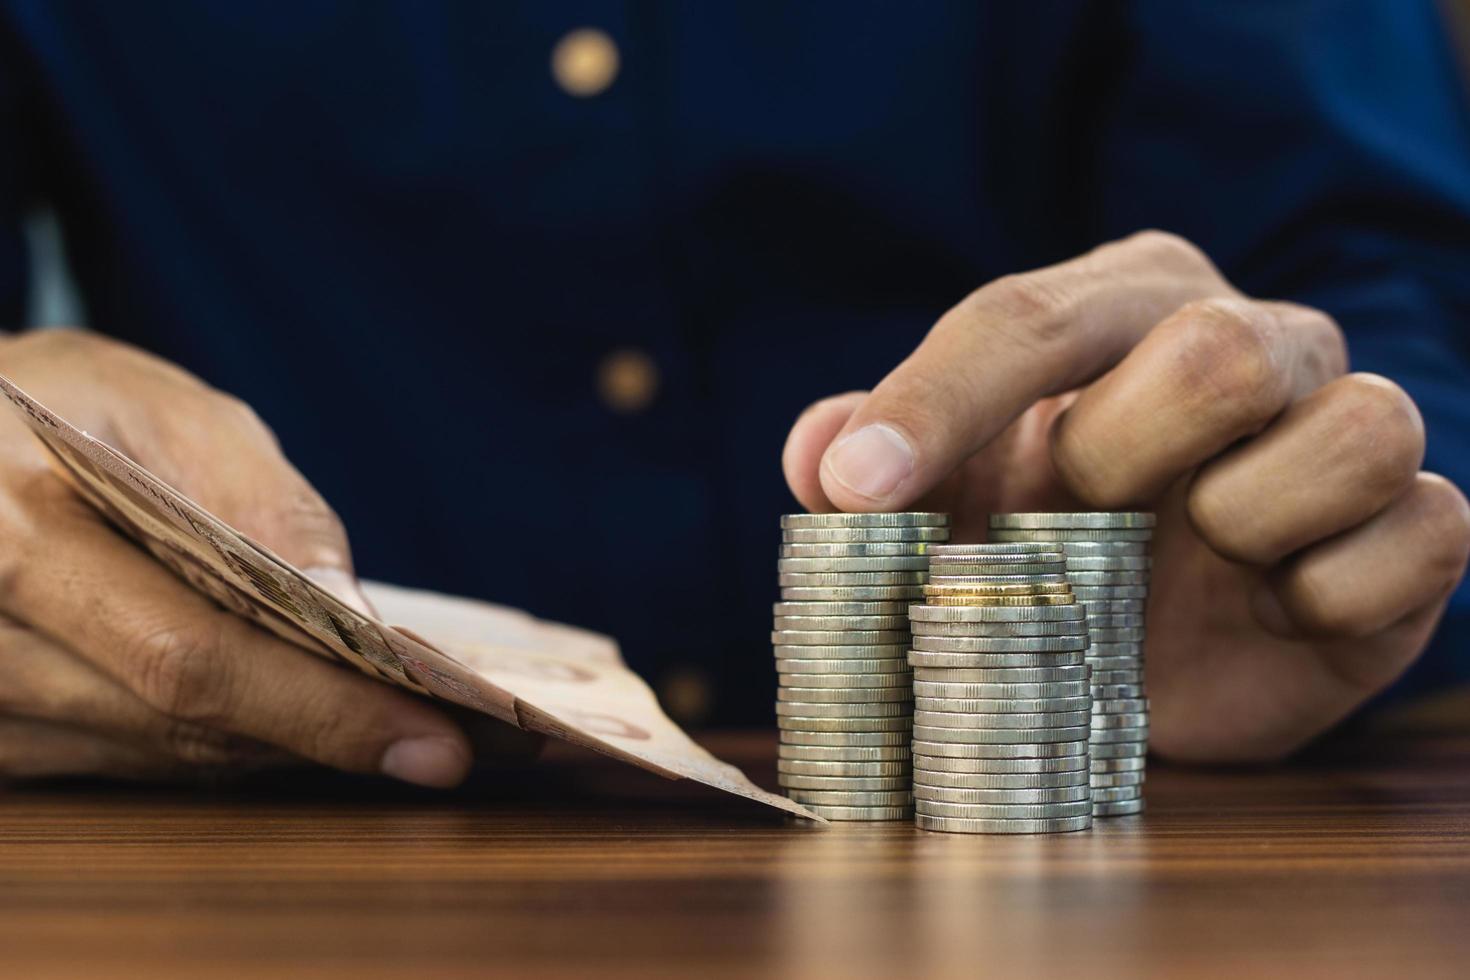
[1355, 862]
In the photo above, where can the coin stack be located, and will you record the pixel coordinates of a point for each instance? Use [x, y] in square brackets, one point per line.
[845, 696]
[1108, 568]
[1000, 693]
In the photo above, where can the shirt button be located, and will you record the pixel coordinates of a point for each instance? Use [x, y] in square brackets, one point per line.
[584, 62]
[627, 380]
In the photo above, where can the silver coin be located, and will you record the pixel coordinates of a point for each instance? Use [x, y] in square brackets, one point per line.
[1106, 634]
[840, 609]
[1126, 808]
[848, 740]
[1101, 549]
[1009, 554]
[1117, 676]
[1092, 519]
[825, 579]
[997, 706]
[856, 549]
[1075, 629]
[999, 644]
[826, 797]
[1110, 692]
[906, 519]
[981, 661]
[1118, 706]
[947, 825]
[1107, 578]
[1003, 675]
[1109, 563]
[899, 622]
[1118, 750]
[1117, 794]
[1069, 749]
[1001, 780]
[1002, 811]
[1115, 648]
[1002, 797]
[862, 812]
[1016, 571]
[1087, 593]
[803, 638]
[1114, 663]
[963, 577]
[1137, 719]
[933, 689]
[814, 768]
[913, 563]
[808, 723]
[846, 753]
[1113, 621]
[1114, 607]
[1112, 780]
[880, 685]
[1053, 536]
[861, 709]
[845, 665]
[985, 548]
[1104, 736]
[997, 614]
[844, 695]
[854, 535]
[874, 651]
[852, 593]
[848, 784]
[1134, 764]
[1023, 720]
[999, 736]
[1072, 766]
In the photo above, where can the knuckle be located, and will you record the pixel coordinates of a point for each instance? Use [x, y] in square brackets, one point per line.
[1316, 610]
[1167, 249]
[1228, 528]
[1035, 300]
[179, 671]
[1089, 469]
[1446, 514]
[1223, 355]
[1379, 415]
[197, 745]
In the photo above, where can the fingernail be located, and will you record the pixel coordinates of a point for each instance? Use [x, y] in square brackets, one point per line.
[871, 462]
[426, 760]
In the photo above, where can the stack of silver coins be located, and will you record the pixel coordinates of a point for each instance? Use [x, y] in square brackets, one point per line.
[1108, 568]
[1001, 693]
[845, 695]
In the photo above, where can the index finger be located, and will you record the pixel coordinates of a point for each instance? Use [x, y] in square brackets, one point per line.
[1008, 344]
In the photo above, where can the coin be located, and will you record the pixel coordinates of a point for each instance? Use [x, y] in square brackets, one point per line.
[1086, 593]
[936, 595]
[963, 585]
[1112, 635]
[1114, 607]
[996, 811]
[1118, 750]
[983, 630]
[998, 644]
[1106, 692]
[995, 706]
[868, 651]
[940, 689]
[851, 593]
[998, 721]
[861, 812]
[856, 549]
[825, 579]
[851, 784]
[1001, 780]
[1117, 676]
[982, 661]
[1102, 736]
[1073, 766]
[1066, 749]
[853, 710]
[1102, 722]
[958, 826]
[840, 609]
[845, 753]
[802, 638]
[1089, 519]
[809, 797]
[998, 736]
[906, 519]
[1113, 620]
[815, 768]
[1111, 780]
[1114, 663]
[845, 695]
[1117, 794]
[1107, 578]
[896, 621]
[1004, 675]
[1055, 581]
[1134, 764]
[1115, 706]
[1109, 563]
[1125, 808]
[1054, 536]
[846, 665]
[997, 554]
[1002, 797]
[996, 614]
[853, 535]
[848, 740]
[813, 723]
[878, 684]
[1115, 648]
[917, 563]
[954, 566]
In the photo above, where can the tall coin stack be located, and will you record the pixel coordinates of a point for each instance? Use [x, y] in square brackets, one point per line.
[845, 696]
[1000, 692]
[1108, 568]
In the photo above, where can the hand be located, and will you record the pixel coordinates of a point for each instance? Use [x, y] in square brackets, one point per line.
[110, 665]
[1301, 558]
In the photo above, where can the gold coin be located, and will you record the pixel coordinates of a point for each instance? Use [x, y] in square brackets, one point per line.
[1029, 588]
[999, 600]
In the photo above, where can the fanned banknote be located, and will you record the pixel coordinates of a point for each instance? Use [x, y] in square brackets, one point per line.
[537, 675]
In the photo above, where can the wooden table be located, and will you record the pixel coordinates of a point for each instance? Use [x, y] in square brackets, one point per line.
[1355, 862]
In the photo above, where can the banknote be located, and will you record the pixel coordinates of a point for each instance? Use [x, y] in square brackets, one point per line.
[561, 681]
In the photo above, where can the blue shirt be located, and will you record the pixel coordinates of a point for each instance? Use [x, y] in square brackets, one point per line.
[388, 228]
